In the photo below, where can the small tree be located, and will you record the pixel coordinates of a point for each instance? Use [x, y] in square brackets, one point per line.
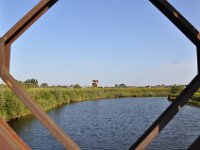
[44, 85]
[77, 86]
[176, 89]
[122, 86]
[31, 82]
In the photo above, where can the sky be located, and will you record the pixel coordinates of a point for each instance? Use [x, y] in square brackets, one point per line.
[113, 41]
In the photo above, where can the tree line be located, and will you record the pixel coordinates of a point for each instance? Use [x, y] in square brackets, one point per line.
[33, 83]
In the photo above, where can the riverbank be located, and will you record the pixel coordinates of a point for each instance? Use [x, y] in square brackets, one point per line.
[194, 101]
[11, 107]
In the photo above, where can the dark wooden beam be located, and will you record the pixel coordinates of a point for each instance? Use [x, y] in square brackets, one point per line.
[195, 145]
[179, 21]
[167, 115]
[198, 58]
[34, 14]
[193, 34]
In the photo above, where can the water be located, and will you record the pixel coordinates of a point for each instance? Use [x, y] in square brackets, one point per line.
[113, 124]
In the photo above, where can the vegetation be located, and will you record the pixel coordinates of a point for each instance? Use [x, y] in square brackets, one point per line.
[76, 86]
[31, 83]
[44, 85]
[11, 107]
[120, 86]
[49, 97]
[176, 90]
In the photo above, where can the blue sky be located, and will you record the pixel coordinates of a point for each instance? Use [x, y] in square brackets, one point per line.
[113, 41]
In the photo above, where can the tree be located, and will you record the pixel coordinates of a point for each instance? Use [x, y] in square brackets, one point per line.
[176, 89]
[122, 86]
[77, 86]
[31, 82]
[44, 85]
[19, 82]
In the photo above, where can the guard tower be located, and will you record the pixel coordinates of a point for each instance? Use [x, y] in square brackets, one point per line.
[95, 83]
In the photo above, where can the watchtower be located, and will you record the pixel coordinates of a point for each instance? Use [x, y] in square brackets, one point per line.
[95, 83]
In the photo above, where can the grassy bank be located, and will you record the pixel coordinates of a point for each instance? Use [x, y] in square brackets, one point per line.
[194, 101]
[11, 107]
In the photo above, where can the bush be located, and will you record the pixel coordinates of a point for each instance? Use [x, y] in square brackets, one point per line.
[176, 89]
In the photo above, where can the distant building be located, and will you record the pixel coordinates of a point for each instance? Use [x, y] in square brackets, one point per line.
[95, 83]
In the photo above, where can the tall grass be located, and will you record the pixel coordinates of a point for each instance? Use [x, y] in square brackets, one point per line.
[48, 98]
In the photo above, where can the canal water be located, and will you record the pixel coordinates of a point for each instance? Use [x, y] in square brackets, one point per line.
[113, 124]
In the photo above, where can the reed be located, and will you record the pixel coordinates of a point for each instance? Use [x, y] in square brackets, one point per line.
[11, 107]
